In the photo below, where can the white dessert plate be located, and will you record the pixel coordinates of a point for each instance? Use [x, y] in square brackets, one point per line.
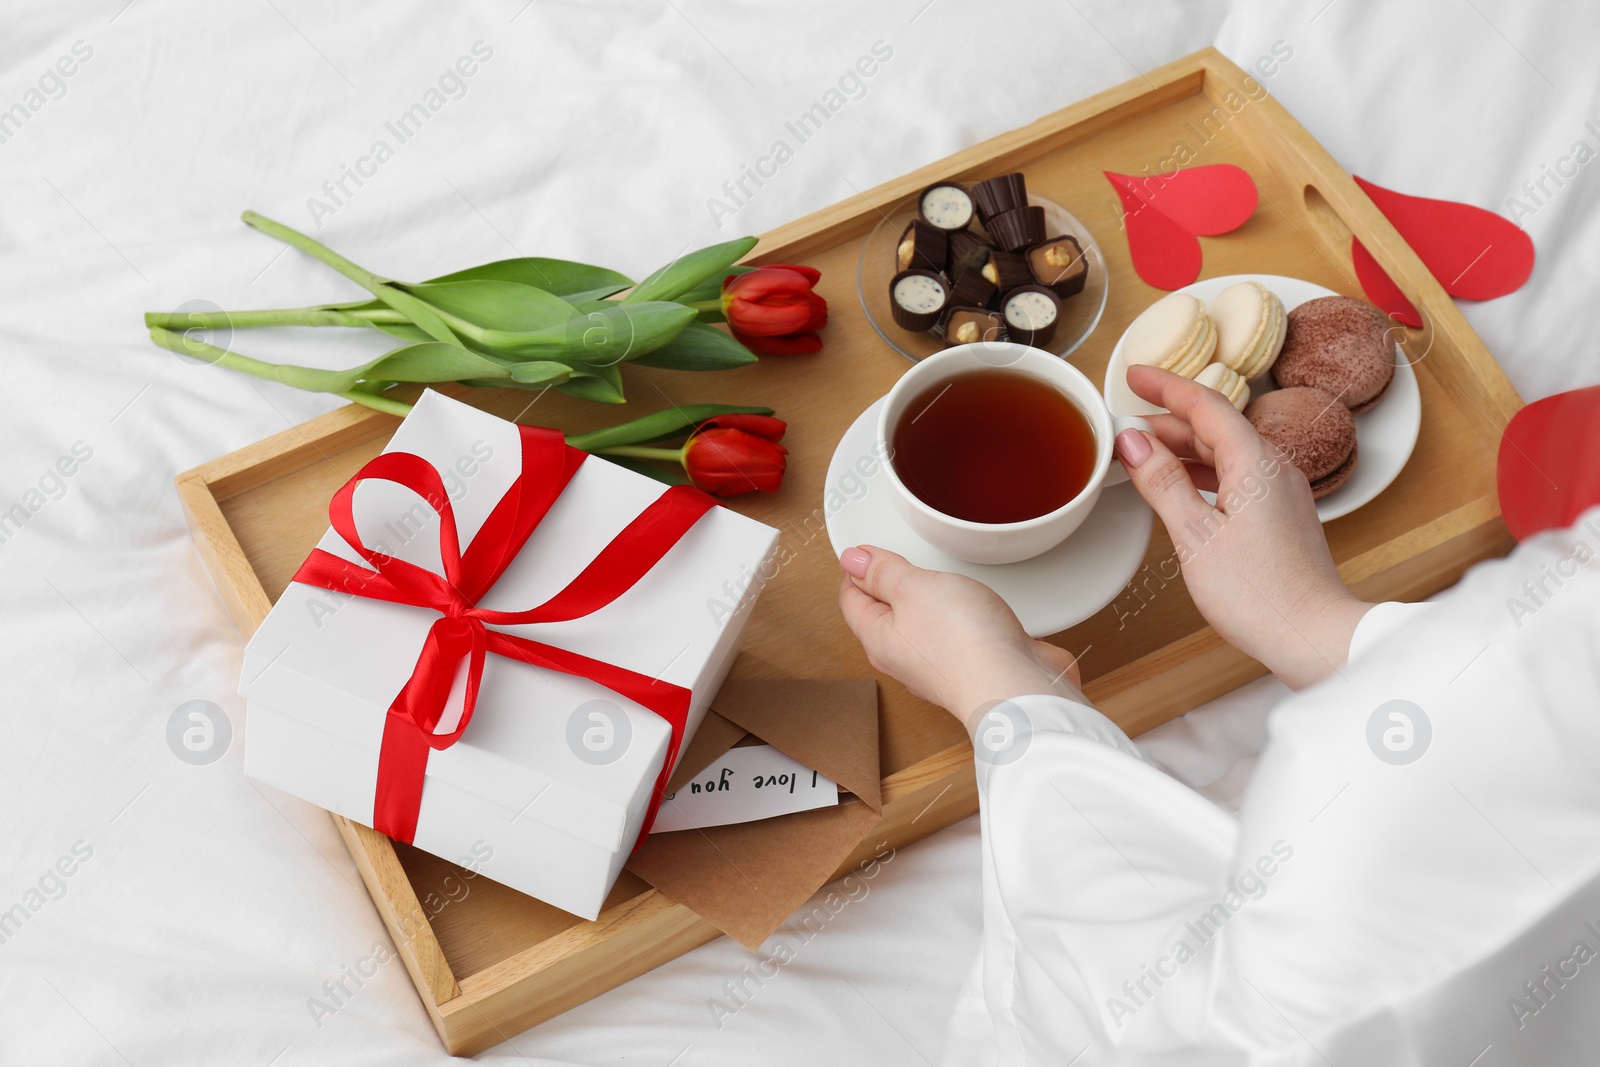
[1049, 593]
[1385, 434]
[1080, 313]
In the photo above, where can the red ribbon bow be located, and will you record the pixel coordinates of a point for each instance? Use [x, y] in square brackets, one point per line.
[462, 630]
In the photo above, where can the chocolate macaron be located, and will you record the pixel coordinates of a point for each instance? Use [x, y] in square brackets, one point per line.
[1313, 429]
[1340, 345]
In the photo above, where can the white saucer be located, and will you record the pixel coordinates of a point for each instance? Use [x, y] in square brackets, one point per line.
[1386, 433]
[1049, 593]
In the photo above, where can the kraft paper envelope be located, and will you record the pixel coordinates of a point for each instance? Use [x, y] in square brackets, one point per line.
[746, 879]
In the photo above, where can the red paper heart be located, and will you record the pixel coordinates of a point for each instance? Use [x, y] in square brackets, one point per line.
[1474, 253]
[1380, 288]
[1548, 471]
[1208, 200]
[1164, 254]
[1163, 214]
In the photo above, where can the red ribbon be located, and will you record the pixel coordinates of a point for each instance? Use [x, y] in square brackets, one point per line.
[462, 630]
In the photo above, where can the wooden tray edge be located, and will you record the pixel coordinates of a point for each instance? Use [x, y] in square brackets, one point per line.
[408, 926]
[1159, 687]
[221, 552]
[1078, 121]
[639, 935]
[1343, 210]
[374, 855]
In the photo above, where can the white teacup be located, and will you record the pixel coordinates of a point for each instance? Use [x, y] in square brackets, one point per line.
[1003, 542]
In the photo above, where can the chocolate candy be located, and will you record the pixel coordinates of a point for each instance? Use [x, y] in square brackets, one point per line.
[917, 297]
[967, 249]
[1016, 229]
[922, 246]
[967, 325]
[971, 288]
[1007, 270]
[1060, 264]
[946, 206]
[998, 195]
[1031, 313]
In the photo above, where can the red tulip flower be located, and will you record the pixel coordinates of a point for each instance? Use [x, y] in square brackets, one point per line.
[733, 454]
[773, 311]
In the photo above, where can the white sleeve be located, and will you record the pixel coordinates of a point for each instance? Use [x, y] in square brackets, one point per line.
[1090, 857]
[1380, 621]
[1414, 812]
[1433, 794]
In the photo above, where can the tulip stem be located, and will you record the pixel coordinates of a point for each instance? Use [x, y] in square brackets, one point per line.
[348, 315]
[670, 455]
[311, 379]
[378, 403]
[315, 249]
[225, 320]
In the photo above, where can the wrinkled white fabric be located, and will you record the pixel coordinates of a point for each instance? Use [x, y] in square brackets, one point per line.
[1413, 878]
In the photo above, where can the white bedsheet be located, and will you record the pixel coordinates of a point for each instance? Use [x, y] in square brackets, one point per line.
[202, 914]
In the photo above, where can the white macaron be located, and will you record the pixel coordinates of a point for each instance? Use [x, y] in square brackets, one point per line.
[1250, 323]
[1174, 333]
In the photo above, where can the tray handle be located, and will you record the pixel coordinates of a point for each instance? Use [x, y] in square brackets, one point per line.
[1415, 342]
[1339, 210]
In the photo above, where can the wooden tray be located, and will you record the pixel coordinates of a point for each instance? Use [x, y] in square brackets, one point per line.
[494, 962]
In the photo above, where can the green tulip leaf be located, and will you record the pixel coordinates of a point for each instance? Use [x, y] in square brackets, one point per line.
[419, 312]
[431, 361]
[687, 272]
[596, 304]
[603, 336]
[495, 305]
[558, 276]
[707, 296]
[491, 303]
[599, 383]
[672, 422]
[507, 383]
[594, 294]
[403, 330]
[539, 372]
[699, 347]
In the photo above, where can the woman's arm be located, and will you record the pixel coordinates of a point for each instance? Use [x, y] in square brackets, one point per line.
[951, 640]
[1256, 563]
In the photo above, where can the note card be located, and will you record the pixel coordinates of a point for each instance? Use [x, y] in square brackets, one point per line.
[744, 785]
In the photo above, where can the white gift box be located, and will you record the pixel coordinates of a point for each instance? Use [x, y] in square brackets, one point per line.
[547, 788]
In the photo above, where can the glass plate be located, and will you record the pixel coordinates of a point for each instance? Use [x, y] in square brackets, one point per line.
[1080, 313]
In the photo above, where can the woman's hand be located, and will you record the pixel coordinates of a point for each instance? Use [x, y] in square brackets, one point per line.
[1256, 564]
[950, 639]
